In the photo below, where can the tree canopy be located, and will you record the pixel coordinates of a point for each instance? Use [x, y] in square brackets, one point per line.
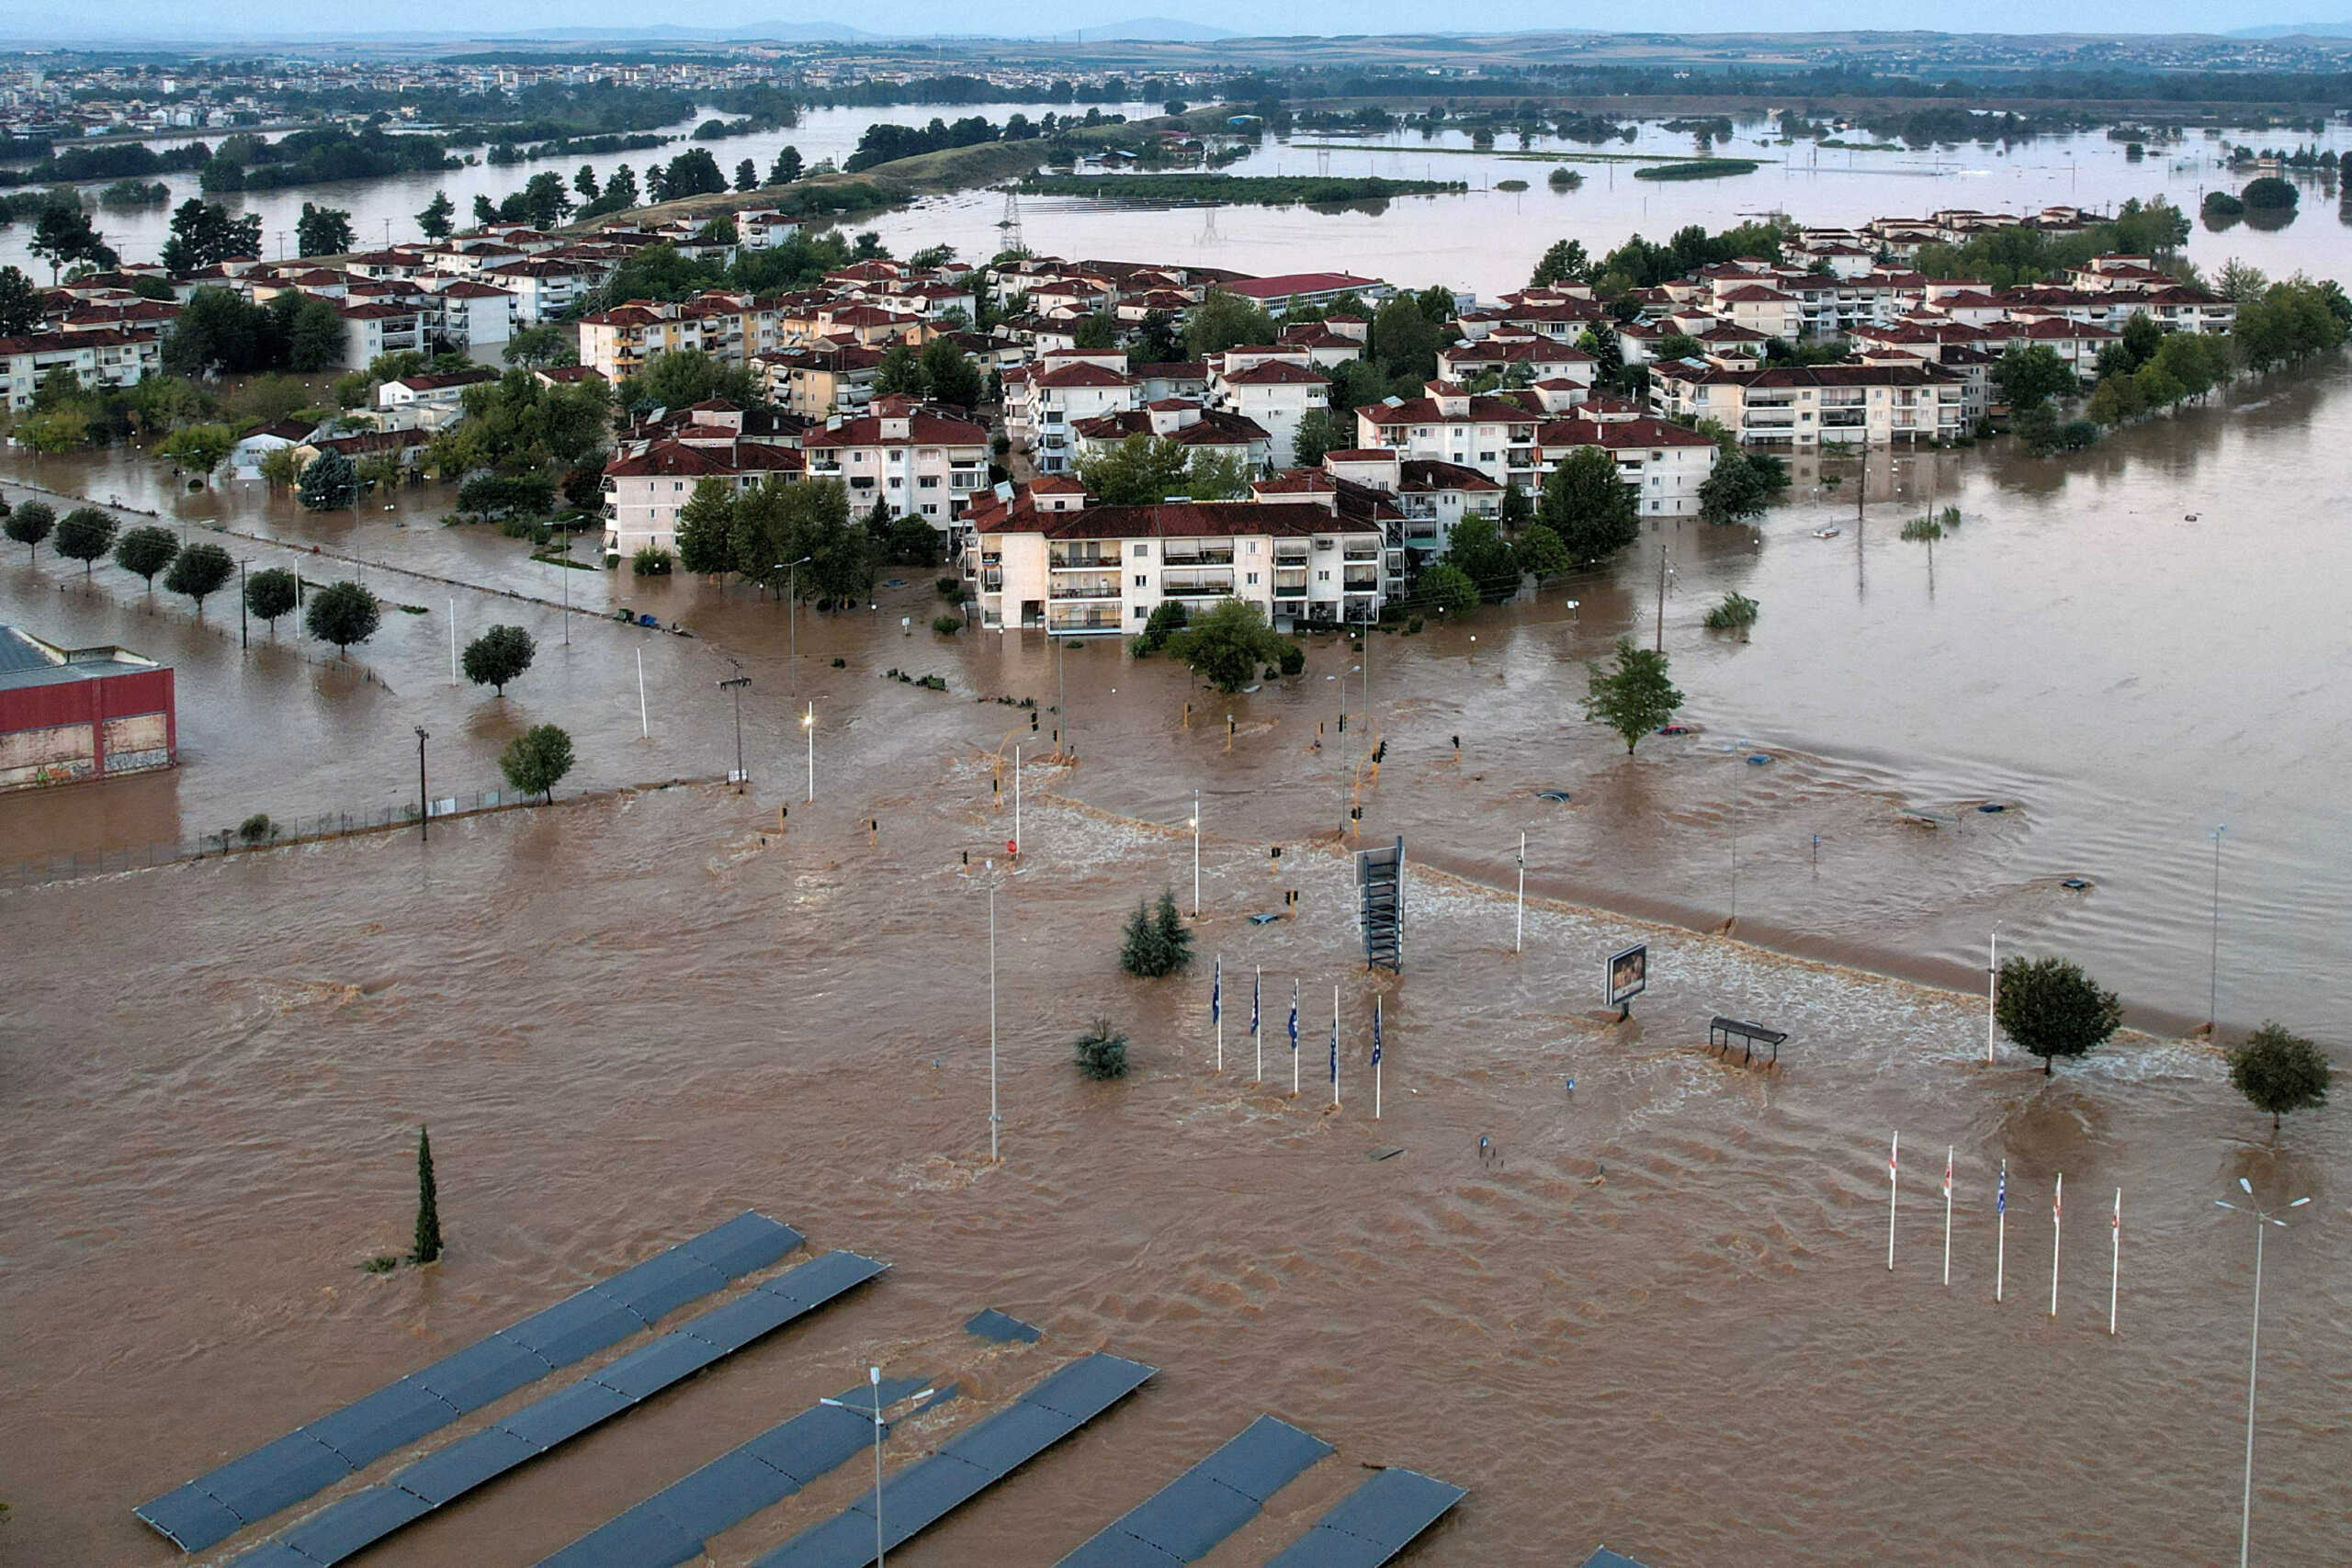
[536, 760]
[1589, 506]
[2051, 1009]
[1228, 644]
[2279, 1071]
[343, 613]
[499, 655]
[1632, 696]
[199, 571]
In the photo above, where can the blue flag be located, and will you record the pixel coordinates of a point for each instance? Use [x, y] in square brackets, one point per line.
[1255, 982]
[1335, 1045]
[1375, 1031]
[1293, 1017]
[1217, 989]
[2001, 1195]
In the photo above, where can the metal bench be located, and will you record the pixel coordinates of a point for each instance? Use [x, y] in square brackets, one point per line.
[1721, 1031]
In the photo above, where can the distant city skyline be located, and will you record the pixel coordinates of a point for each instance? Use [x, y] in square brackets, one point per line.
[133, 21]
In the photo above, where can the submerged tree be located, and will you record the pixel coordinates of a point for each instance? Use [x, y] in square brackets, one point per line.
[2053, 1009]
[1634, 696]
[2279, 1071]
[428, 1247]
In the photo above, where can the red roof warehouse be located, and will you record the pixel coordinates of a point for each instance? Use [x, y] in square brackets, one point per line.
[81, 713]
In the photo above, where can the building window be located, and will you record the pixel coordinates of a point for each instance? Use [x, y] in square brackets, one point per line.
[1252, 579]
[1322, 577]
[1143, 552]
[1139, 613]
[1142, 581]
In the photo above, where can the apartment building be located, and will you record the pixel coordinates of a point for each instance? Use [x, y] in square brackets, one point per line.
[1054, 562]
[106, 356]
[1807, 407]
[913, 461]
[1044, 401]
[646, 488]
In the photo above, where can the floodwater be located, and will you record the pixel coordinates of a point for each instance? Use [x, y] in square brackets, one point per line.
[1411, 241]
[1661, 1318]
[2125, 651]
[384, 211]
[1414, 241]
[1657, 1313]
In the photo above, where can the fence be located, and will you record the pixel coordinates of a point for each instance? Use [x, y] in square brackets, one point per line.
[266, 833]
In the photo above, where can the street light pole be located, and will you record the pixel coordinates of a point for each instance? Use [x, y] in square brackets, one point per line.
[734, 685]
[791, 606]
[244, 630]
[874, 1382]
[423, 805]
[809, 723]
[993, 1117]
[2254, 1356]
[1196, 854]
[2213, 981]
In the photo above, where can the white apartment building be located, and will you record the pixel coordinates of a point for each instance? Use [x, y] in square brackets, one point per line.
[374, 329]
[105, 358]
[1812, 406]
[1494, 435]
[1042, 401]
[915, 461]
[1663, 464]
[1055, 563]
[1273, 393]
[647, 489]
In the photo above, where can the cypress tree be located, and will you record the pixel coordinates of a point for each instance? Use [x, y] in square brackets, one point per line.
[428, 1207]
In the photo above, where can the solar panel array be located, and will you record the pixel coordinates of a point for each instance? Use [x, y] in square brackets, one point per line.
[670, 1527]
[966, 1466]
[364, 1518]
[1185, 1519]
[1373, 1523]
[305, 1461]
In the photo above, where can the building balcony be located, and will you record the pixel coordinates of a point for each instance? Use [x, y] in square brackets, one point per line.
[1100, 588]
[1091, 620]
[1083, 560]
[1215, 555]
[1196, 584]
[1367, 577]
[1290, 591]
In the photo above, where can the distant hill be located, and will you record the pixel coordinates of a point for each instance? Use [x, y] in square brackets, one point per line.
[805, 31]
[2295, 30]
[1167, 30]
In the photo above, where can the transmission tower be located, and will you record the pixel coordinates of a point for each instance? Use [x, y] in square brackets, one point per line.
[1010, 225]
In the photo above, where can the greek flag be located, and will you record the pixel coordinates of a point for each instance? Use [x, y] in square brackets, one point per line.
[1217, 989]
[1375, 1031]
[1293, 1018]
[2001, 1193]
[1335, 1045]
[1255, 982]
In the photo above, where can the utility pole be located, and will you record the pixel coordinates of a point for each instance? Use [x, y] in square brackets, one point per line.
[244, 630]
[733, 685]
[424, 804]
[1662, 556]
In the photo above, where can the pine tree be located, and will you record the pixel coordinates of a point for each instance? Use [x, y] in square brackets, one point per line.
[1175, 940]
[1143, 953]
[428, 1207]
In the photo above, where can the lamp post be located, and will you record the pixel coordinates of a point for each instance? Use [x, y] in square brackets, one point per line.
[734, 685]
[809, 723]
[244, 633]
[993, 1117]
[2213, 980]
[791, 569]
[2254, 1354]
[564, 567]
[423, 805]
[874, 1382]
[1196, 825]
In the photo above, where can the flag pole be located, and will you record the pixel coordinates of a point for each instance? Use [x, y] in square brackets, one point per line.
[2115, 1263]
[1894, 1153]
[1375, 1060]
[2001, 1235]
[1257, 1029]
[2057, 1228]
[1947, 1216]
[1335, 1047]
[1216, 1008]
[1293, 1039]
[1518, 932]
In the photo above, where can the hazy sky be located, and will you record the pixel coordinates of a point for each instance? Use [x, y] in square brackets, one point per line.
[223, 19]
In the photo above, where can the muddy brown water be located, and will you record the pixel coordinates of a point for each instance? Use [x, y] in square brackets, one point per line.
[1660, 1315]
[627, 1019]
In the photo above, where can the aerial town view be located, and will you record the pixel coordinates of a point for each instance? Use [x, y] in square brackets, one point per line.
[961, 788]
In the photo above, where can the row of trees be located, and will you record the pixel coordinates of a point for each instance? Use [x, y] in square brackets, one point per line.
[218, 332]
[757, 534]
